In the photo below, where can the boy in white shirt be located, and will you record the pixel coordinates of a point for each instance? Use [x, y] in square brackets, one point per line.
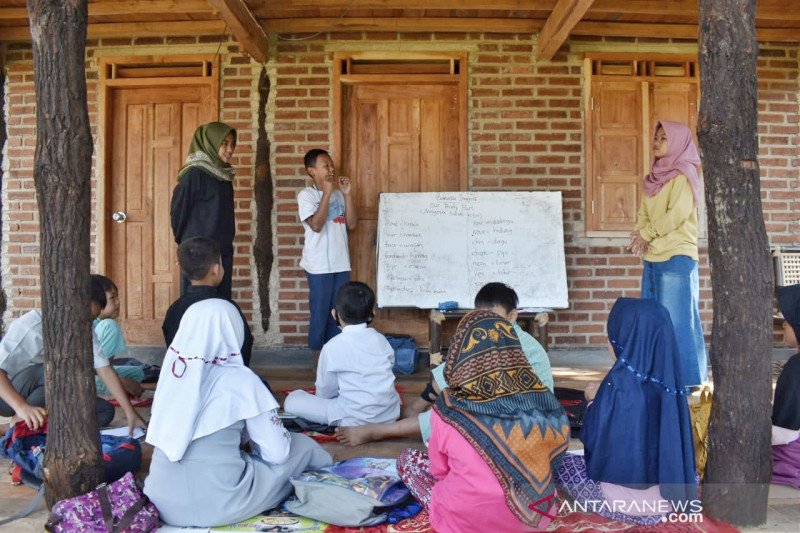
[22, 379]
[355, 383]
[327, 212]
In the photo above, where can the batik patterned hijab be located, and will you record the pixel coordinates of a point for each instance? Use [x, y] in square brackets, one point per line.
[204, 151]
[681, 158]
[497, 402]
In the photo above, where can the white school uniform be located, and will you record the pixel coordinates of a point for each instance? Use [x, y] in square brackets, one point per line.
[23, 345]
[355, 383]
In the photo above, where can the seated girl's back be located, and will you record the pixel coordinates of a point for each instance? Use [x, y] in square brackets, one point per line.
[207, 404]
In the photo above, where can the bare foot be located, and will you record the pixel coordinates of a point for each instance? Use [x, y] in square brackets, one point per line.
[355, 435]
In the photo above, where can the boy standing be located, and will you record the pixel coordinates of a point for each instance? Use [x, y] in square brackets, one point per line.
[201, 263]
[327, 213]
[501, 300]
[22, 379]
[355, 383]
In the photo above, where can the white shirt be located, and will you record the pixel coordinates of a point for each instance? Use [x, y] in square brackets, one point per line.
[355, 367]
[23, 345]
[324, 252]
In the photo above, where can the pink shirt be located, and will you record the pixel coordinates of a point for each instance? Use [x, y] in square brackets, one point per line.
[468, 496]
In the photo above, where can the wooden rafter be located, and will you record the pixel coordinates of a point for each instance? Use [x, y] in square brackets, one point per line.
[564, 17]
[402, 24]
[244, 26]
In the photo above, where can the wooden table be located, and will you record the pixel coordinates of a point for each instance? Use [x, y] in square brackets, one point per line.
[436, 318]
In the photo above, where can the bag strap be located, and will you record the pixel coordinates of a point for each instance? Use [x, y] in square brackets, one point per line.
[28, 510]
[105, 507]
[130, 514]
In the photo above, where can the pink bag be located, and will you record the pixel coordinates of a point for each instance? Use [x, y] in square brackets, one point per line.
[119, 507]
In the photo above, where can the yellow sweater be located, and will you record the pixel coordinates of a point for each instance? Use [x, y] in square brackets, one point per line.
[668, 221]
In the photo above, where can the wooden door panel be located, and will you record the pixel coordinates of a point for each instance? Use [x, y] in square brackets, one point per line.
[399, 138]
[619, 202]
[150, 130]
[616, 154]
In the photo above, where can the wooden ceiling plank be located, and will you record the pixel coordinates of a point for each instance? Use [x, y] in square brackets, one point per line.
[514, 5]
[403, 25]
[244, 26]
[559, 24]
[125, 8]
[675, 31]
[135, 7]
[132, 29]
[13, 13]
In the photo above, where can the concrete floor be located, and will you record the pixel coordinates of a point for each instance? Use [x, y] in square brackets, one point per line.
[289, 368]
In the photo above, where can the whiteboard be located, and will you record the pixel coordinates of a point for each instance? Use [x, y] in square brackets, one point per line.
[444, 246]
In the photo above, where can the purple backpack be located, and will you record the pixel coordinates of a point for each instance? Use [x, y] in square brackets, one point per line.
[118, 507]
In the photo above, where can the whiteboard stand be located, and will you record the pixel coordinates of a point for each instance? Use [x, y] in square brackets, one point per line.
[534, 323]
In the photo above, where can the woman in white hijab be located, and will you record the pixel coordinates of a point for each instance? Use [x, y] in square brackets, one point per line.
[207, 404]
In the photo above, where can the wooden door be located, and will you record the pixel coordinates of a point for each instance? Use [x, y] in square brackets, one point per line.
[149, 132]
[396, 138]
[616, 154]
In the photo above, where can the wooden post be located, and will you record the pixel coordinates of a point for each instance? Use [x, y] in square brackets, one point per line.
[62, 167]
[739, 462]
[263, 193]
[2, 144]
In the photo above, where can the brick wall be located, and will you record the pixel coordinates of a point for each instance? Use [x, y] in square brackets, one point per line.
[20, 253]
[525, 132]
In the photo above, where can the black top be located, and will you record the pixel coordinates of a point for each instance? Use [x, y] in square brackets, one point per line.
[202, 206]
[786, 407]
[194, 294]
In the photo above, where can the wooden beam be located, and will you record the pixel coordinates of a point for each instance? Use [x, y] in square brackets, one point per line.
[516, 5]
[133, 7]
[125, 7]
[244, 26]
[132, 29]
[676, 31]
[402, 24]
[559, 24]
[766, 9]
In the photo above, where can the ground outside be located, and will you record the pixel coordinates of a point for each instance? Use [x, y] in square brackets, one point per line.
[289, 368]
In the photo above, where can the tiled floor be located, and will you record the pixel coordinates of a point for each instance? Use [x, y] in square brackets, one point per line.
[572, 369]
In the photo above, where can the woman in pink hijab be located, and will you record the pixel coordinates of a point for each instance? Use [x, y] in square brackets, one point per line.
[666, 238]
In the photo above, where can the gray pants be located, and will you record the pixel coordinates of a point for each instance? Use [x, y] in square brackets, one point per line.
[29, 383]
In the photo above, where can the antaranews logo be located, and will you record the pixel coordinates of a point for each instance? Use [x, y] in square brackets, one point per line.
[688, 512]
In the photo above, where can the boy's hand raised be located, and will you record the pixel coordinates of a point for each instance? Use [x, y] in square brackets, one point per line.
[344, 184]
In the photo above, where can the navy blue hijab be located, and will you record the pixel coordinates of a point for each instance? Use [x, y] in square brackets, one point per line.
[637, 432]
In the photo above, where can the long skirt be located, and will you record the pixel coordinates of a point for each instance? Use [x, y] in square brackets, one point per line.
[674, 284]
[571, 479]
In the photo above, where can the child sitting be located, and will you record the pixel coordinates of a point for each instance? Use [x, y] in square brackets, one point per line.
[355, 383]
[501, 300]
[201, 263]
[112, 341]
[207, 405]
[496, 435]
[22, 377]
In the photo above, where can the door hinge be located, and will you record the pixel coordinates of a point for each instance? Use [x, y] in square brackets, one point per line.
[593, 207]
[592, 102]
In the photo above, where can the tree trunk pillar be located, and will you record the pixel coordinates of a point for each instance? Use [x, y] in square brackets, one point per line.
[739, 460]
[62, 167]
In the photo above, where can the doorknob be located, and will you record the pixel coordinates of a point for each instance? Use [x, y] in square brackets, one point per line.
[119, 217]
